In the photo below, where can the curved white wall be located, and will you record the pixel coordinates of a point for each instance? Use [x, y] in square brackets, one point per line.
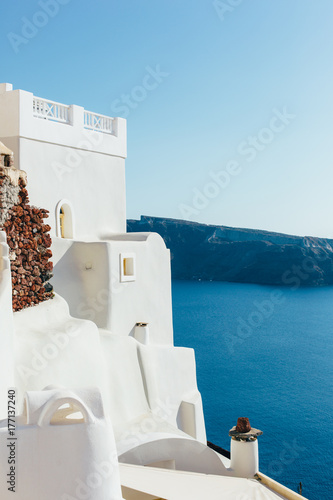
[6, 327]
[88, 275]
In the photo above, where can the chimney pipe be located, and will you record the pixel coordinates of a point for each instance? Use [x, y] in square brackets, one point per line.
[244, 449]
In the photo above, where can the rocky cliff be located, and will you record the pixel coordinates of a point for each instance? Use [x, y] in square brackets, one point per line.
[200, 251]
[27, 237]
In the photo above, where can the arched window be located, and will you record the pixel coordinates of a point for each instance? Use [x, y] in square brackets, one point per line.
[61, 222]
[65, 219]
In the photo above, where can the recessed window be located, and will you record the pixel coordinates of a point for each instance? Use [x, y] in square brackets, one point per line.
[127, 267]
[65, 219]
[61, 221]
[128, 264]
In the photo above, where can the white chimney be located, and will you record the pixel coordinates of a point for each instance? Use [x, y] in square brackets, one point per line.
[141, 333]
[244, 449]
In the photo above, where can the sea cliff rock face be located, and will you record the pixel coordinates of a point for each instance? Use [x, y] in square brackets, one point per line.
[200, 251]
[28, 241]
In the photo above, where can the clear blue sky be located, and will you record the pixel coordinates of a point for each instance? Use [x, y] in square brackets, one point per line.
[227, 73]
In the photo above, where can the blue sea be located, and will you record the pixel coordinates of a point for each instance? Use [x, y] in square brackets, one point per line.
[265, 353]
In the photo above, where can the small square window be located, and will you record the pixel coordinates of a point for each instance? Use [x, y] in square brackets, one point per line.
[127, 267]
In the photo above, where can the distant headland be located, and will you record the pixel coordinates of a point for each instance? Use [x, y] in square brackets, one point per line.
[220, 253]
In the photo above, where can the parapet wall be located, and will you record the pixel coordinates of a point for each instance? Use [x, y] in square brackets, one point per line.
[43, 120]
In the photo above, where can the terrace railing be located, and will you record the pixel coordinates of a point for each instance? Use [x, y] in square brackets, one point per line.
[98, 122]
[50, 110]
[57, 112]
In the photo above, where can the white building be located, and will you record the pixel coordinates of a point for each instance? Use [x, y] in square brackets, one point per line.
[117, 389]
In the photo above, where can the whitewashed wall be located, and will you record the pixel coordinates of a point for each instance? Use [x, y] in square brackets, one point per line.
[68, 160]
[6, 327]
[87, 275]
[55, 344]
[136, 381]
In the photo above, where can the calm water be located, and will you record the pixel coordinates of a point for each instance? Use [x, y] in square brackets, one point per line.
[265, 353]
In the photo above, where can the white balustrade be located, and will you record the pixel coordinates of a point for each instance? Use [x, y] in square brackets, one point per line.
[55, 111]
[50, 110]
[97, 122]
